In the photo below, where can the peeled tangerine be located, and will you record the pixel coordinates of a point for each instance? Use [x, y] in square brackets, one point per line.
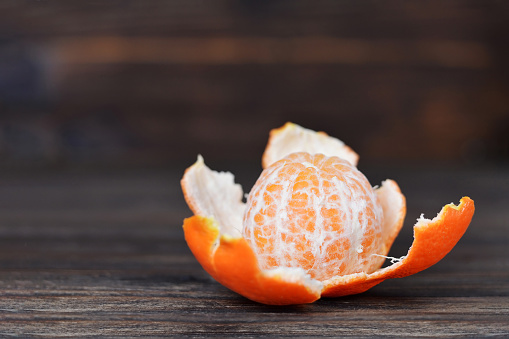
[312, 225]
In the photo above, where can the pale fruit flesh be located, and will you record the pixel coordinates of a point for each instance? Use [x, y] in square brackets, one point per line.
[315, 212]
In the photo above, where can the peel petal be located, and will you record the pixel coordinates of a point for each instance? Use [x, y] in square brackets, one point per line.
[214, 194]
[433, 239]
[233, 264]
[394, 206]
[293, 138]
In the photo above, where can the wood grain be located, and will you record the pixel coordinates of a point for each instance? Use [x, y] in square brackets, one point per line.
[88, 254]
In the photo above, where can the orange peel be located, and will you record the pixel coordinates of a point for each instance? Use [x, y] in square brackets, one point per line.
[220, 240]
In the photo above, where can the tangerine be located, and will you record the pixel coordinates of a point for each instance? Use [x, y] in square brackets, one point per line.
[315, 212]
[312, 227]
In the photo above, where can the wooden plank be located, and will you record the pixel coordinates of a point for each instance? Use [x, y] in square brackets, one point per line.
[102, 254]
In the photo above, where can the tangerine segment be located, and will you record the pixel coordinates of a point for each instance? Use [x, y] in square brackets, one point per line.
[233, 264]
[292, 138]
[433, 239]
[314, 212]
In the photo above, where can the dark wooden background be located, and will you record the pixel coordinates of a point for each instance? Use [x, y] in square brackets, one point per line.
[154, 82]
[104, 104]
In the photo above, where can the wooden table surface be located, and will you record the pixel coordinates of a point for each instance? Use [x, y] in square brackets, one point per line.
[102, 253]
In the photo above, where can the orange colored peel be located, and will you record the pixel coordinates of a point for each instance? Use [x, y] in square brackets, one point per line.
[433, 239]
[233, 264]
[215, 233]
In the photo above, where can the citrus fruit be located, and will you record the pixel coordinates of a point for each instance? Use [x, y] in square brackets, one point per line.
[314, 212]
[312, 225]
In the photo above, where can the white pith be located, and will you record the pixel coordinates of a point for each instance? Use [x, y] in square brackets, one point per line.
[215, 194]
[393, 204]
[294, 275]
[293, 138]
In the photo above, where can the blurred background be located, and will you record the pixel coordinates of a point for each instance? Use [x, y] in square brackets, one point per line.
[104, 104]
[153, 83]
